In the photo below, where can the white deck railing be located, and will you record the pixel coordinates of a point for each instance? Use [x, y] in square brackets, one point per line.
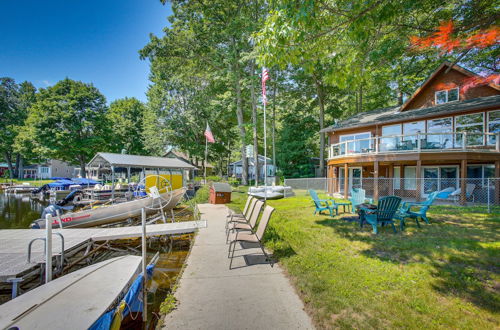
[421, 142]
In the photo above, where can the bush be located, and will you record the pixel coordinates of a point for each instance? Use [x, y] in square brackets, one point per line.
[201, 195]
[214, 178]
[234, 182]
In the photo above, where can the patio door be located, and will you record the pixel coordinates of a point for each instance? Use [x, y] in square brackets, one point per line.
[355, 177]
[437, 178]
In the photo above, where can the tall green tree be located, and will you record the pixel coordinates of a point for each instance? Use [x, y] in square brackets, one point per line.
[15, 99]
[126, 118]
[68, 122]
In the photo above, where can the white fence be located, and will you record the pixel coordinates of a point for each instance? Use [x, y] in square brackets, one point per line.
[481, 194]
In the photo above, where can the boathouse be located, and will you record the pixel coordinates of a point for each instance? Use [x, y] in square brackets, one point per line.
[133, 168]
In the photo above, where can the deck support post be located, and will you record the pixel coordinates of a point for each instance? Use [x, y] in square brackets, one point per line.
[391, 179]
[463, 182]
[334, 179]
[346, 182]
[496, 201]
[128, 174]
[418, 177]
[375, 180]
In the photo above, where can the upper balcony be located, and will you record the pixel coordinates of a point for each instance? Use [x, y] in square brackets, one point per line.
[415, 143]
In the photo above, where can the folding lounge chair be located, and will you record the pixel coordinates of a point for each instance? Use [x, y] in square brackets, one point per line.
[242, 219]
[253, 237]
[252, 221]
[232, 214]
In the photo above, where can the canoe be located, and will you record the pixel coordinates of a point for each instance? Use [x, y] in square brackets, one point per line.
[73, 301]
[106, 214]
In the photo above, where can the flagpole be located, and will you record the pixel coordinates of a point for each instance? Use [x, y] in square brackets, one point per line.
[265, 151]
[206, 155]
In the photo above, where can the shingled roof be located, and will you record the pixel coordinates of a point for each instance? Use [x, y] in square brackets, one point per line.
[392, 114]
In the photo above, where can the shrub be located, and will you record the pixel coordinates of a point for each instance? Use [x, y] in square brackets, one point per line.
[201, 195]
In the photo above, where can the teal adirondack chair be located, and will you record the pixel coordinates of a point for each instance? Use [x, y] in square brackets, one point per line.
[358, 196]
[323, 204]
[383, 215]
[406, 212]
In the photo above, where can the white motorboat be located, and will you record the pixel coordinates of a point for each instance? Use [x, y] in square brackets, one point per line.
[105, 214]
[73, 301]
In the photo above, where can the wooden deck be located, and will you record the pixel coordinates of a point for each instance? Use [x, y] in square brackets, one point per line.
[14, 242]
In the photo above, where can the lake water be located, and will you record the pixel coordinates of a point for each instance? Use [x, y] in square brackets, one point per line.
[18, 211]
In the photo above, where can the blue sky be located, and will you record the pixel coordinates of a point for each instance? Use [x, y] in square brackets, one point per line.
[92, 41]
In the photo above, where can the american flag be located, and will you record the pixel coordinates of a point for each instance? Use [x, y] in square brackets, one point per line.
[209, 135]
[265, 77]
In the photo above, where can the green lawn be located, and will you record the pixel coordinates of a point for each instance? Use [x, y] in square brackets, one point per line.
[444, 275]
[30, 181]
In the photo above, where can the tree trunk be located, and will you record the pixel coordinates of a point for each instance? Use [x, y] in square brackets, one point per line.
[254, 121]
[241, 126]
[83, 170]
[361, 98]
[16, 170]
[400, 97]
[321, 101]
[8, 159]
[20, 166]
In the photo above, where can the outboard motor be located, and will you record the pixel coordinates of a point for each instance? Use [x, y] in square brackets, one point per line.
[75, 195]
[52, 210]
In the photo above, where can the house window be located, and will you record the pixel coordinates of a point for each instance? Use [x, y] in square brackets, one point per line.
[493, 125]
[390, 137]
[396, 183]
[474, 126]
[410, 130]
[356, 143]
[446, 96]
[436, 128]
[410, 181]
[481, 173]
[390, 130]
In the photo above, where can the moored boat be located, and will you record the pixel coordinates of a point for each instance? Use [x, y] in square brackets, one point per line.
[105, 214]
[73, 301]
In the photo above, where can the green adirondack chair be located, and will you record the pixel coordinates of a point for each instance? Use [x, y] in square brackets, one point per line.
[406, 212]
[323, 204]
[383, 215]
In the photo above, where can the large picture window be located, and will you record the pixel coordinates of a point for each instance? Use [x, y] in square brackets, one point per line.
[359, 143]
[410, 130]
[437, 129]
[493, 125]
[474, 126]
[390, 130]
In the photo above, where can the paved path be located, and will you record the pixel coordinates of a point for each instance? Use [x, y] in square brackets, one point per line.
[211, 296]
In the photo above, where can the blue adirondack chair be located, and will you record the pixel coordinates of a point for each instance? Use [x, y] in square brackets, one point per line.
[382, 215]
[323, 204]
[358, 196]
[406, 212]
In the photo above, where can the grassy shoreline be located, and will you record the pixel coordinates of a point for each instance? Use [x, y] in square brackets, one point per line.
[444, 275]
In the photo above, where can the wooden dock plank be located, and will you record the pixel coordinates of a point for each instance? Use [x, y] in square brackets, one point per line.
[14, 242]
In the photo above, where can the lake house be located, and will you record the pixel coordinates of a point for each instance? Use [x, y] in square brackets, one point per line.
[444, 137]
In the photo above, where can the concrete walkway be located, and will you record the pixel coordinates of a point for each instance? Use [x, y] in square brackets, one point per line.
[252, 296]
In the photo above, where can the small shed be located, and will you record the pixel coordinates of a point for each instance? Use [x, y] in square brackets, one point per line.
[220, 193]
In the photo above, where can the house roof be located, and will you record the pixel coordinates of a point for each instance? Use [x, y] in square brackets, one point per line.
[392, 114]
[444, 65]
[105, 159]
[184, 156]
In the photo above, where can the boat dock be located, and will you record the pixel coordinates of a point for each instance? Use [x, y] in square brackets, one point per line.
[253, 295]
[14, 245]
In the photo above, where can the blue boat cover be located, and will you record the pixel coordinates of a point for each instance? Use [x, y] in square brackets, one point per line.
[133, 300]
[61, 183]
[59, 178]
[85, 181]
